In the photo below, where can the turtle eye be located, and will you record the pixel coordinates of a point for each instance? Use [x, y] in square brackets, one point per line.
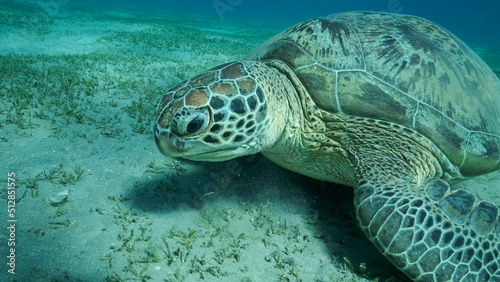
[197, 123]
[188, 122]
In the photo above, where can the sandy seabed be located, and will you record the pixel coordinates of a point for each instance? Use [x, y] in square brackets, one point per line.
[96, 201]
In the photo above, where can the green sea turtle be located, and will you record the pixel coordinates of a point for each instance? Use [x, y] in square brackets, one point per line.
[392, 105]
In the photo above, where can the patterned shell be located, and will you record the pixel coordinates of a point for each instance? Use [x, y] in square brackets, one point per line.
[402, 69]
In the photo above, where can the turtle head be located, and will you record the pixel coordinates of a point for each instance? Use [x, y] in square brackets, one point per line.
[218, 115]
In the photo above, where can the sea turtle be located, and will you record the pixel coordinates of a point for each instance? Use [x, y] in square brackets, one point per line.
[393, 105]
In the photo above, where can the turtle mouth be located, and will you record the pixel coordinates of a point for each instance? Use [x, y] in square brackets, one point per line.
[171, 145]
[217, 155]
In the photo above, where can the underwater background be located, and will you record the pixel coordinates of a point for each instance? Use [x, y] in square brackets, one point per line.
[94, 198]
[473, 22]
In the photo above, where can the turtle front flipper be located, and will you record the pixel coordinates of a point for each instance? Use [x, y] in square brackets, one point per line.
[431, 233]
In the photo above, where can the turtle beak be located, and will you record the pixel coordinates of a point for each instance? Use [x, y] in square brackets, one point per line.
[168, 143]
[160, 139]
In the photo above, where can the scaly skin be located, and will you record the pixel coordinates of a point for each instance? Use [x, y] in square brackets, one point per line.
[427, 231]
[402, 204]
[347, 99]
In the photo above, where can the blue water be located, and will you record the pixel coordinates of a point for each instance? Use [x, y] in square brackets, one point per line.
[475, 22]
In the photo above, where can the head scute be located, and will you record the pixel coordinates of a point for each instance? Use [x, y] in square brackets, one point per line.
[225, 107]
